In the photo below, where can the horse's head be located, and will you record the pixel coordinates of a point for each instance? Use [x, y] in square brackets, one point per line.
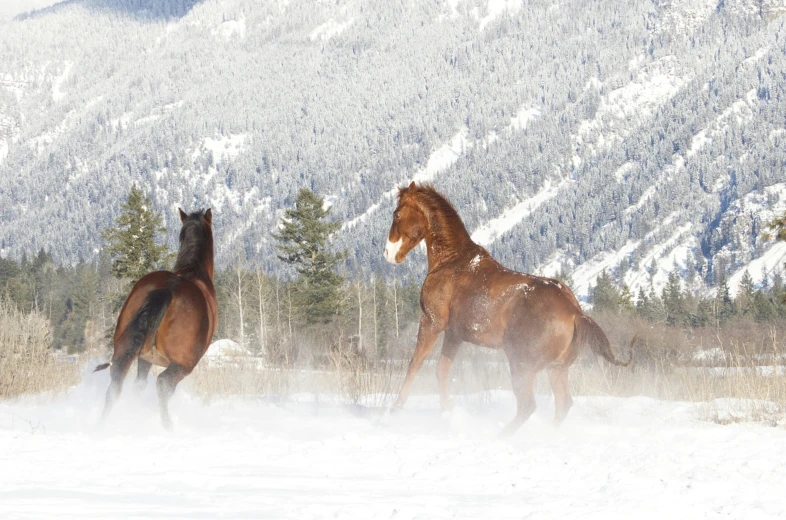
[196, 243]
[199, 223]
[409, 226]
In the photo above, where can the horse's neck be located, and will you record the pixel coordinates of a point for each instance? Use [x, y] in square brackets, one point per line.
[448, 245]
[205, 267]
[207, 260]
[209, 268]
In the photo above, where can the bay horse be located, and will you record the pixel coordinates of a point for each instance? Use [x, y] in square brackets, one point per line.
[536, 321]
[168, 318]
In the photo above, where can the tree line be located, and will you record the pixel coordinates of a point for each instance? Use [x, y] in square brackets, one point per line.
[272, 316]
[315, 308]
[676, 306]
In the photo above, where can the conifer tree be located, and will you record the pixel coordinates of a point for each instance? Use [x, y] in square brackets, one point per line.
[765, 280]
[673, 300]
[626, 300]
[723, 303]
[303, 243]
[132, 243]
[764, 307]
[744, 301]
[643, 304]
[564, 276]
[605, 296]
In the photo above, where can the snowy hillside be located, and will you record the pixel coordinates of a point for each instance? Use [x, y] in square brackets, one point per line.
[612, 458]
[637, 138]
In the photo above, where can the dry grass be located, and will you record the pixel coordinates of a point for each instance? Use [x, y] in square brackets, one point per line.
[736, 371]
[743, 379]
[747, 382]
[246, 378]
[27, 365]
[360, 380]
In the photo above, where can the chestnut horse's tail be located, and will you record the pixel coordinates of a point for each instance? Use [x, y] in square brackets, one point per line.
[589, 332]
[141, 326]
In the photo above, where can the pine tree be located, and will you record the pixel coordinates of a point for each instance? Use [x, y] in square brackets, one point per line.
[765, 280]
[605, 296]
[764, 309]
[673, 300]
[724, 306]
[744, 301]
[643, 304]
[704, 313]
[626, 300]
[303, 242]
[564, 276]
[132, 243]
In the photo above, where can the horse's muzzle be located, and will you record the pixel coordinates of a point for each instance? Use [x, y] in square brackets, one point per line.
[391, 251]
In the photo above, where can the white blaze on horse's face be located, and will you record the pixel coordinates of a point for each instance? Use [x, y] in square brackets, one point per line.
[392, 249]
[406, 231]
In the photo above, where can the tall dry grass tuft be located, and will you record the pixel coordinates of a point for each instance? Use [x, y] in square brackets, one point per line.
[27, 365]
[361, 380]
[246, 377]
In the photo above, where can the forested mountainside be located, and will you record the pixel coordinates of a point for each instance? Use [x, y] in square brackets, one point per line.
[572, 136]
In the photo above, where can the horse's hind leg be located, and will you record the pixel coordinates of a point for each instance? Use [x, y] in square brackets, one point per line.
[165, 384]
[450, 346]
[142, 370]
[558, 376]
[523, 381]
[117, 373]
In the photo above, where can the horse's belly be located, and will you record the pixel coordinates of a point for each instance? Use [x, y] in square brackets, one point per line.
[480, 331]
[155, 357]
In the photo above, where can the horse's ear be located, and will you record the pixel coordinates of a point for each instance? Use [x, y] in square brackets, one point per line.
[209, 216]
[402, 191]
[183, 215]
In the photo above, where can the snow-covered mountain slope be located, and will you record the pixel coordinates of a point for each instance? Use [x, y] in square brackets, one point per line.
[637, 139]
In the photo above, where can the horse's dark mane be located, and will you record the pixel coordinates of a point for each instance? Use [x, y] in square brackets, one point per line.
[450, 234]
[194, 243]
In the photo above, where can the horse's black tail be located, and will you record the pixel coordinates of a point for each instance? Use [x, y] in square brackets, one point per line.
[141, 326]
[589, 332]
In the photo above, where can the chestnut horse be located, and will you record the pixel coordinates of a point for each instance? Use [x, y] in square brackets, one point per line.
[168, 318]
[536, 321]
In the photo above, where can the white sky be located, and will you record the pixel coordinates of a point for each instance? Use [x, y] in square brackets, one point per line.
[11, 8]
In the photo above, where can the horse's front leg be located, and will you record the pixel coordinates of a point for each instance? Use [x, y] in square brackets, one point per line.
[427, 336]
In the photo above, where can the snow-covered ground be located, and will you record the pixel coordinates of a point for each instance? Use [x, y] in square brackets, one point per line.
[310, 458]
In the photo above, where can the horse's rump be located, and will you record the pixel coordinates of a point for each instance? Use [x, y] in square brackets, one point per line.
[141, 327]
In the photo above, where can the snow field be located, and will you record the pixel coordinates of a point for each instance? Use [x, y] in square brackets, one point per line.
[312, 457]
